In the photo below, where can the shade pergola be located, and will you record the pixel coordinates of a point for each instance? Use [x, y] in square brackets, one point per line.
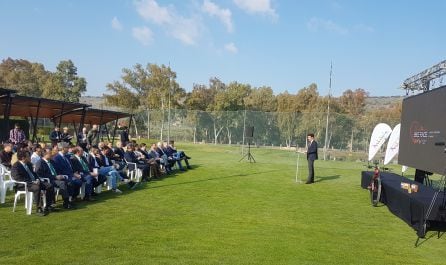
[58, 111]
[93, 116]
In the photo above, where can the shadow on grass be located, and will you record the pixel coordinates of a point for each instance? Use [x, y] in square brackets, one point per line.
[321, 179]
[218, 178]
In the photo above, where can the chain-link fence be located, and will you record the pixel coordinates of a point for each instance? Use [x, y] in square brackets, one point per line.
[272, 129]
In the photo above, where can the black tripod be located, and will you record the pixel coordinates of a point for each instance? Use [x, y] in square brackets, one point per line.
[248, 155]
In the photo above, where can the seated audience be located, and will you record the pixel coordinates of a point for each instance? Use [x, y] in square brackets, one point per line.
[177, 155]
[131, 157]
[95, 162]
[92, 179]
[22, 171]
[62, 164]
[45, 169]
[36, 155]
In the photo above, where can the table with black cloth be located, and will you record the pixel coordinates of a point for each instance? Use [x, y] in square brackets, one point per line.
[410, 207]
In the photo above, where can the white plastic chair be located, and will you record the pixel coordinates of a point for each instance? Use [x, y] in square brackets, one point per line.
[28, 198]
[5, 182]
[133, 172]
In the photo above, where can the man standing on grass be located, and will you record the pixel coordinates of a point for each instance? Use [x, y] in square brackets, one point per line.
[311, 156]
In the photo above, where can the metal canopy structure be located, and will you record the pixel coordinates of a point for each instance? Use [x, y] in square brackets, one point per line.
[59, 112]
[421, 81]
[92, 116]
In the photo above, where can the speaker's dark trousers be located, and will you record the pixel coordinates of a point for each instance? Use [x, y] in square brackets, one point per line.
[310, 178]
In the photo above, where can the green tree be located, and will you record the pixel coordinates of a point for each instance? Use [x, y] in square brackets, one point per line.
[261, 99]
[65, 84]
[25, 77]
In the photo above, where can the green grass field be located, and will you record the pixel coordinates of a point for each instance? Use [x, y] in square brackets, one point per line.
[223, 212]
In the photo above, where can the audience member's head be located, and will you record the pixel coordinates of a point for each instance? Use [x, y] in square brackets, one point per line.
[101, 145]
[48, 154]
[23, 156]
[7, 148]
[63, 147]
[78, 151]
[56, 129]
[37, 149]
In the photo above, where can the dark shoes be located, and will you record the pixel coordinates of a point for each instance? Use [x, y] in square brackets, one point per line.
[68, 206]
[41, 212]
[89, 199]
[131, 184]
[188, 157]
[189, 167]
[309, 182]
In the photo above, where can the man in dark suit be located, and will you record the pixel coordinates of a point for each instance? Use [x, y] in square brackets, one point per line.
[21, 171]
[124, 134]
[311, 156]
[55, 136]
[45, 169]
[91, 178]
[63, 166]
[131, 157]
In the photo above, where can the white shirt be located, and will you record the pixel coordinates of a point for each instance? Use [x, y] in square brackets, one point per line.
[34, 158]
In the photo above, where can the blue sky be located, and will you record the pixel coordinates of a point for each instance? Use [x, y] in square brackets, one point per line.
[287, 45]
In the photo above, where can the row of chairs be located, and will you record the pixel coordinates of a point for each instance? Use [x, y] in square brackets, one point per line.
[7, 182]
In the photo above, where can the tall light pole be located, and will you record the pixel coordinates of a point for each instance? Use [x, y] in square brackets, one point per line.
[328, 113]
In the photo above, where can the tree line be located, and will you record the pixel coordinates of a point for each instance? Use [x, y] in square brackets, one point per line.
[154, 87]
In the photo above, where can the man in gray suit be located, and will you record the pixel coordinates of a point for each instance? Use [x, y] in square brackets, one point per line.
[311, 156]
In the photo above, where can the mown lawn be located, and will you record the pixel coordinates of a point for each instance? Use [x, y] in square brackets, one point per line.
[223, 212]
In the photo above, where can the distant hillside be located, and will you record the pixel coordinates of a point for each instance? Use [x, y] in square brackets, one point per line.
[371, 102]
[97, 103]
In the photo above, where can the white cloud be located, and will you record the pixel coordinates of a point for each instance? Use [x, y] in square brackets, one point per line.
[257, 6]
[151, 11]
[187, 30]
[223, 14]
[116, 24]
[143, 34]
[230, 47]
[316, 24]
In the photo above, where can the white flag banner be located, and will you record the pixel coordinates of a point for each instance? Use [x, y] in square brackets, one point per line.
[380, 134]
[393, 145]
[404, 168]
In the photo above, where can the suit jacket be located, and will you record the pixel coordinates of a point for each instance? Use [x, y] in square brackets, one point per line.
[55, 137]
[92, 160]
[312, 151]
[124, 135]
[131, 157]
[119, 151]
[44, 171]
[93, 137]
[77, 166]
[63, 166]
[19, 173]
